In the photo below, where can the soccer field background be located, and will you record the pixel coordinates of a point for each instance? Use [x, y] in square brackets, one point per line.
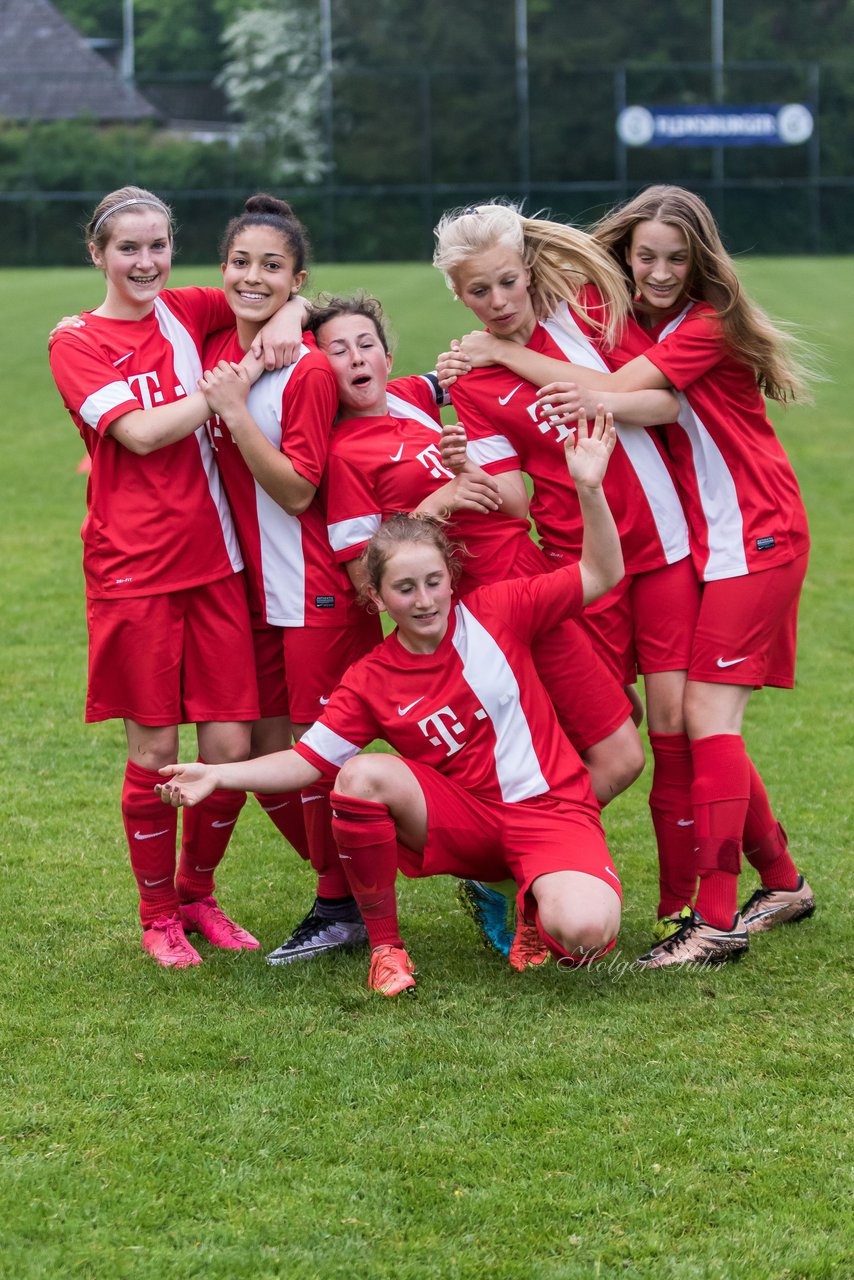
[236, 1121]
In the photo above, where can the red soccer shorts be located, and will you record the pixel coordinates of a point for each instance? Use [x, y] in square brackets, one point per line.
[589, 702]
[647, 622]
[489, 840]
[298, 667]
[748, 628]
[184, 657]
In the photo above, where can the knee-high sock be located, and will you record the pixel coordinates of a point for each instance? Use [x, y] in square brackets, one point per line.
[673, 820]
[207, 829]
[720, 793]
[368, 845]
[284, 809]
[151, 828]
[332, 880]
[765, 844]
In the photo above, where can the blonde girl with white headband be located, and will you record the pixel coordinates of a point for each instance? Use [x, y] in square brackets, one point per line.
[169, 633]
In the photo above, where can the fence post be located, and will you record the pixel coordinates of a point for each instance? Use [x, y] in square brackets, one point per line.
[814, 157]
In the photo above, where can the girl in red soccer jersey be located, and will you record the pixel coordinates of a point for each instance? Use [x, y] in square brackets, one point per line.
[698, 333]
[524, 278]
[385, 457]
[165, 596]
[485, 783]
[271, 443]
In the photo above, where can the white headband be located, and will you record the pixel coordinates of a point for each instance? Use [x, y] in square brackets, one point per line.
[125, 204]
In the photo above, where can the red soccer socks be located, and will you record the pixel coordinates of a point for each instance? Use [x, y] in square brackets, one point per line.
[673, 820]
[151, 828]
[367, 844]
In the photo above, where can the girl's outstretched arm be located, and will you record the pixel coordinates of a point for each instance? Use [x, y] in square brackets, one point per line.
[560, 402]
[189, 784]
[587, 454]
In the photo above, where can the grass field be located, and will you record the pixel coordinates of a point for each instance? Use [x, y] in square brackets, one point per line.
[235, 1121]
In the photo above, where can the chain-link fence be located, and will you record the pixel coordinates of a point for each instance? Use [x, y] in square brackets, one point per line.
[403, 144]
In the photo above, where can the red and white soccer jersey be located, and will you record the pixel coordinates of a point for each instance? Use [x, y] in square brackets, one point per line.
[475, 709]
[293, 578]
[159, 522]
[743, 502]
[498, 410]
[382, 465]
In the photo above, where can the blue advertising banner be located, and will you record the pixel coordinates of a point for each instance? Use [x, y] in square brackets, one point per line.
[715, 126]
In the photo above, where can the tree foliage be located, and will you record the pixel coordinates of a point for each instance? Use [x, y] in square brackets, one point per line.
[273, 79]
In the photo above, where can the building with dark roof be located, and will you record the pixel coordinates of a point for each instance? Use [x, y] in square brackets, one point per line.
[49, 72]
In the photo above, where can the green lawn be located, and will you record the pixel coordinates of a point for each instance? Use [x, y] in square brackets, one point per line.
[237, 1121]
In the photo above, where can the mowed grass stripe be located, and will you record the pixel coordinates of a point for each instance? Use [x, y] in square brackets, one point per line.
[240, 1122]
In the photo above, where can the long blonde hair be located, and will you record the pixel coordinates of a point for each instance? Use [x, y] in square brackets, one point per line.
[561, 259]
[776, 357]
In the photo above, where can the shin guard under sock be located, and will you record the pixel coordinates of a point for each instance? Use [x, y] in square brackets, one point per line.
[720, 793]
[673, 820]
[332, 880]
[367, 841]
[765, 845]
[284, 809]
[151, 828]
[207, 829]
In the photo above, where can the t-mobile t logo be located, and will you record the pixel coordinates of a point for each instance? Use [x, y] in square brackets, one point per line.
[545, 427]
[436, 731]
[431, 458]
[147, 387]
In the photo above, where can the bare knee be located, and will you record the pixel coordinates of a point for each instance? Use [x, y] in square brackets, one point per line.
[615, 762]
[221, 743]
[581, 935]
[361, 777]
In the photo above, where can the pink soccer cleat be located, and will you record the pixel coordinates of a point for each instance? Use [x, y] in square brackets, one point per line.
[164, 939]
[391, 971]
[208, 918]
[527, 951]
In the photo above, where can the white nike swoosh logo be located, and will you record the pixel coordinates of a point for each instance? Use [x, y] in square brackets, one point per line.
[149, 884]
[137, 835]
[684, 822]
[396, 457]
[274, 807]
[222, 824]
[323, 701]
[612, 873]
[510, 394]
[308, 799]
[201, 869]
[732, 662]
[401, 711]
[116, 364]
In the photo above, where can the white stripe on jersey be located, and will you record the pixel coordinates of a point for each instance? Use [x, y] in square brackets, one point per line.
[492, 449]
[655, 480]
[399, 408]
[188, 367]
[344, 534]
[718, 498]
[489, 675]
[352, 533]
[101, 401]
[282, 559]
[716, 489]
[328, 745]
